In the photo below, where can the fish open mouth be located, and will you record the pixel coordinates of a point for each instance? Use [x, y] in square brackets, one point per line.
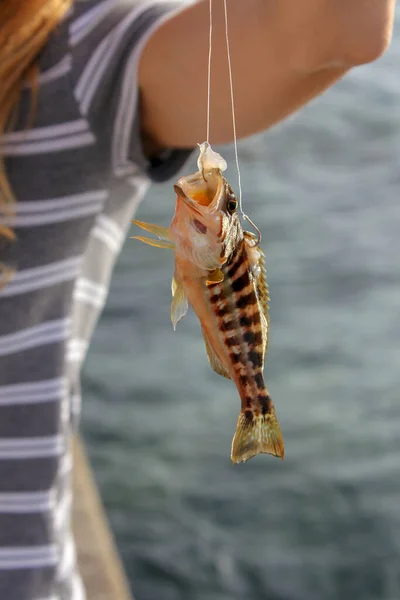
[197, 190]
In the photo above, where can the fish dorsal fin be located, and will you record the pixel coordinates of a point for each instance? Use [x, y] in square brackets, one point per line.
[257, 265]
[262, 285]
[215, 363]
[179, 305]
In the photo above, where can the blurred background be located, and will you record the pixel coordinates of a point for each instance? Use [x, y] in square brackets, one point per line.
[325, 524]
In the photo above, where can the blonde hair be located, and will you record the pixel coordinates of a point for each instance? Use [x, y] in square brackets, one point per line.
[25, 26]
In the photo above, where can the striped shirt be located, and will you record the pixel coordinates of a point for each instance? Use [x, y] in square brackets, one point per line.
[78, 175]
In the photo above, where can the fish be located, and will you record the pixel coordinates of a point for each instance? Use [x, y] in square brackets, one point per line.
[220, 272]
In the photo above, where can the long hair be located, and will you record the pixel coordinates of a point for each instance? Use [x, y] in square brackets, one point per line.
[25, 26]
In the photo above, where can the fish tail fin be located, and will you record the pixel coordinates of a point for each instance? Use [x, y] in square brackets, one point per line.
[257, 433]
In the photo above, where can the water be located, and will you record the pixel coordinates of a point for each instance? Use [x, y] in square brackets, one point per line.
[325, 523]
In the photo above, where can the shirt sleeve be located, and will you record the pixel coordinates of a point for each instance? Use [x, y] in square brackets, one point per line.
[106, 39]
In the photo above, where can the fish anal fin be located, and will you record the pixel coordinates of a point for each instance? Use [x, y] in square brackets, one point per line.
[257, 434]
[214, 277]
[179, 304]
[215, 362]
[161, 232]
[155, 243]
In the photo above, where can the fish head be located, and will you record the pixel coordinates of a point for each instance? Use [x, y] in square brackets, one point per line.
[206, 226]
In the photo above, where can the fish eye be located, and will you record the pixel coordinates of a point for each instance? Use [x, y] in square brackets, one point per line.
[231, 204]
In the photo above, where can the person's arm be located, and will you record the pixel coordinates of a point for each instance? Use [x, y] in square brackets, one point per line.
[284, 53]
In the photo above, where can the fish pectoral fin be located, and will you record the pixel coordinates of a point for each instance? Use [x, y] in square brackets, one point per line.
[174, 285]
[161, 232]
[215, 363]
[155, 243]
[257, 434]
[214, 277]
[179, 304]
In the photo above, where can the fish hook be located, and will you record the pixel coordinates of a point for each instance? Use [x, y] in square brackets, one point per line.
[259, 237]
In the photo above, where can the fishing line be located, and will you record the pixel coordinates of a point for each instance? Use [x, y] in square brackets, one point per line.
[234, 117]
[209, 72]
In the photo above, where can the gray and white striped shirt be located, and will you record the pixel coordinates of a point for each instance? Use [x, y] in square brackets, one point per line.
[78, 175]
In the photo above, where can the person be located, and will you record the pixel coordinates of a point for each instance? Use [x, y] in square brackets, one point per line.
[98, 99]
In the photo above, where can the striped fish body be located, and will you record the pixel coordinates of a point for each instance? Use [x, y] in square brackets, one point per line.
[234, 319]
[219, 271]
